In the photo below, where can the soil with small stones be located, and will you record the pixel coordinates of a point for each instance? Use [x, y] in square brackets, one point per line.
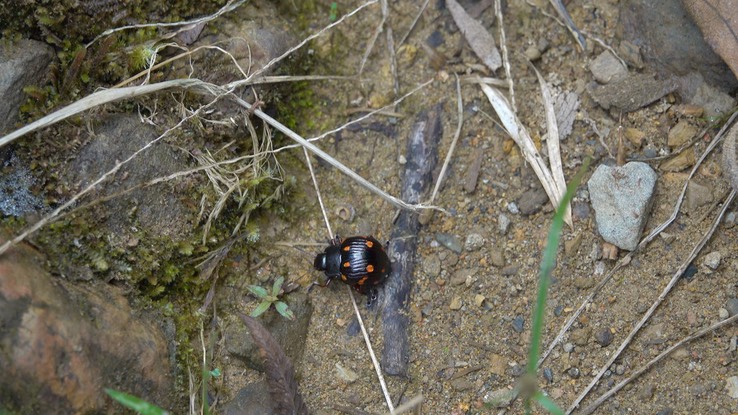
[471, 310]
[495, 297]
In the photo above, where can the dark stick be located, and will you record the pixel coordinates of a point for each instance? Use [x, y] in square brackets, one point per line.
[422, 156]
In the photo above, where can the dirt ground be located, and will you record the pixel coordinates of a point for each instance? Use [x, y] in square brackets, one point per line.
[471, 308]
[460, 355]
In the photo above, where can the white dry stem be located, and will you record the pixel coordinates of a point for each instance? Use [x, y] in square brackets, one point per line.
[505, 55]
[373, 356]
[317, 192]
[517, 131]
[552, 142]
[674, 279]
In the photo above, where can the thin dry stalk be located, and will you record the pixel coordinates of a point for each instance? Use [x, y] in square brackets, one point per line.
[505, 55]
[375, 362]
[674, 279]
[588, 410]
[412, 404]
[374, 38]
[317, 192]
[645, 241]
[447, 161]
[230, 6]
[412, 25]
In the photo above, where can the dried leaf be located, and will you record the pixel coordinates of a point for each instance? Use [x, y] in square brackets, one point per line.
[481, 42]
[286, 399]
[566, 105]
[520, 135]
[718, 21]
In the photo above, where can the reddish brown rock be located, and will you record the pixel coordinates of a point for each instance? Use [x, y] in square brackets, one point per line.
[63, 344]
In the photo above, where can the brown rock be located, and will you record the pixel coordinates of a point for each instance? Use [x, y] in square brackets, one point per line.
[681, 133]
[63, 343]
[683, 160]
[635, 136]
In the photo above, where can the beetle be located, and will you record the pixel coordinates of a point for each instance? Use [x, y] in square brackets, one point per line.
[359, 261]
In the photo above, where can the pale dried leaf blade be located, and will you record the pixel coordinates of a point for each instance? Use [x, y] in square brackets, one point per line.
[730, 156]
[718, 21]
[480, 40]
[552, 142]
[520, 135]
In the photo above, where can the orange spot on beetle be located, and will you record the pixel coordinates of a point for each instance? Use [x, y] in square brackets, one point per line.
[347, 264]
[362, 281]
[370, 268]
[369, 244]
[347, 248]
[343, 277]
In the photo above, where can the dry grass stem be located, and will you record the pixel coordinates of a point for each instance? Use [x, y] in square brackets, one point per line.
[412, 25]
[552, 143]
[317, 192]
[412, 404]
[519, 134]
[373, 40]
[674, 279]
[230, 6]
[591, 408]
[375, 362]
[505, 55]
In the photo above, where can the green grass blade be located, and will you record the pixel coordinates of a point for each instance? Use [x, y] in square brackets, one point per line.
[547, 265]
[134, 403]
[547, 403]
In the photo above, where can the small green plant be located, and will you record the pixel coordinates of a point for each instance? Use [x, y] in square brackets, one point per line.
[135, 403]
[529, 388]
[267, 299]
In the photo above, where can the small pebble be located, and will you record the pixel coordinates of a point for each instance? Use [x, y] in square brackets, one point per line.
[497, 257]
[345, 374]
[730, 219]
[402, 159]
[580, 337]
[558, 310]
[479, 300]
[732, 306]
[607, 68]
[665, 411]
[512, 207]
[680, 134]
[510, 270]
[548, 374]
[532, 53]
[449, 241]
[532, 201]
[619, 369]
[462, 276]
[723, 313]
[518, 324]
[500, 398]
[474, 241]
[731, 385]
[604, 337]
[503, 223]
[455, 304]
[432, 265]
[573, 372]
[647, 392]
[712, 260]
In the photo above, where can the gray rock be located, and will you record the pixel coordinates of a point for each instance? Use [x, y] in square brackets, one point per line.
[432, 265]
[253, 399]
[622, 197]
[518, 324]
[568, 347]
[16, 197]
[512, 207]
[631, 93]
[500, 398]
[22, 63]
[606, 68]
